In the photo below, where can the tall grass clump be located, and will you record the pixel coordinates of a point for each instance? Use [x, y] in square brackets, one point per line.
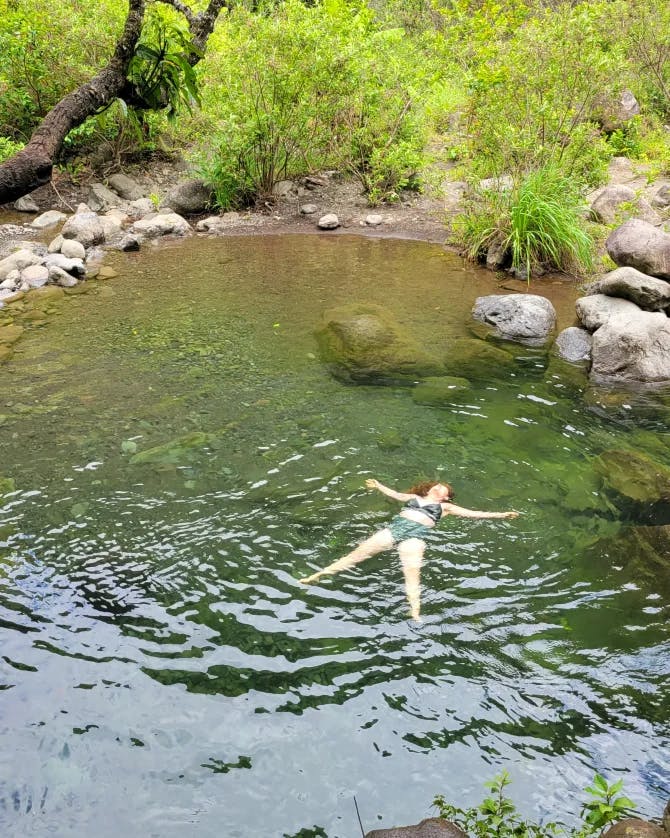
[537, 223]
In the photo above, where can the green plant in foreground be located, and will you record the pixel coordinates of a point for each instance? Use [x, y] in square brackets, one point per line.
[606, 805]
[497, 815]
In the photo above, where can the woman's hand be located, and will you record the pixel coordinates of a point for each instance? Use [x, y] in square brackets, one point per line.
[372, 484]
[511, 514]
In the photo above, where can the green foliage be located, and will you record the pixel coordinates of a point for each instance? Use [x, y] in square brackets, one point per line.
[46, 50]
[306, 87]
[607, 805]
[160, 70]
[497, 815]
[533, 94]
[538, 222]
[8, 148]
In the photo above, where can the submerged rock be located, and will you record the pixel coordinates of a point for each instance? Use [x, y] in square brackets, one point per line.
[364, 343]
[7, 485]
[527, 318]
[476, 358]
[175, 451]
[634, 476]
[437, 390]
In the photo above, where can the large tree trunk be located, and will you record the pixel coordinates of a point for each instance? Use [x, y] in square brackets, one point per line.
[32, 166]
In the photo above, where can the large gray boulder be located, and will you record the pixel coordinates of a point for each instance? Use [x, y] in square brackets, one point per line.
[364, 343]
[597, 309]
[428, 828]
[574, 344]
[527, 318]
[618, 202]
[126, 187]
[647, 292]
[161, 224]
[85, 227]
[640, 245]
[633, 347]
[189, 197]
[100, 198]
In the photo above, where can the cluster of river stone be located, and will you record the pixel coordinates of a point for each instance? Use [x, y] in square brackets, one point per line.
[624, 331]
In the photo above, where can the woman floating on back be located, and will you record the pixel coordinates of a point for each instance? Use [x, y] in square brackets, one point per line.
[425, 504]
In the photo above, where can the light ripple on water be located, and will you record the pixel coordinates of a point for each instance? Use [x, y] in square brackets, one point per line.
[161, 666]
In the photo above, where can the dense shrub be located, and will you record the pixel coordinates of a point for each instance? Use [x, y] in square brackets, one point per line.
[302, 88]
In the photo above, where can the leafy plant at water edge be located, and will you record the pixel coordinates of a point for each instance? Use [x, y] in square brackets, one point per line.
[606, 805]
[497, 815]
[538, 222]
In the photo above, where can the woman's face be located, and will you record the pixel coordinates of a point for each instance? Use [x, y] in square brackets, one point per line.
[440, 493]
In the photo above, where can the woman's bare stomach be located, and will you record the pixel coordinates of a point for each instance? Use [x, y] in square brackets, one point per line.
[417, 517]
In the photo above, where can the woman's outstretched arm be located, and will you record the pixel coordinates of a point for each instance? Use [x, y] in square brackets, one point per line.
[391, 493]
[452, 509]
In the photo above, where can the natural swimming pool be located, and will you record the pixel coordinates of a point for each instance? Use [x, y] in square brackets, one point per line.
[180, 455]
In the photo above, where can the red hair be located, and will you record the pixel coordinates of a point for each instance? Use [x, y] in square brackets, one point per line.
[423, 488]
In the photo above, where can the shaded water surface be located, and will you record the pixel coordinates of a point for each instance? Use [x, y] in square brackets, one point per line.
[180, 455]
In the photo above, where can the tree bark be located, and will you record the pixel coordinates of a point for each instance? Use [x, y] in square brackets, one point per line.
[33, 165]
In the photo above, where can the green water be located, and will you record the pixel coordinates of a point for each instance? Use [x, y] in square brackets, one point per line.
[180, 455]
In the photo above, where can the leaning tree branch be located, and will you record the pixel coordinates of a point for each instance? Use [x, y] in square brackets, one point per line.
[33, 165]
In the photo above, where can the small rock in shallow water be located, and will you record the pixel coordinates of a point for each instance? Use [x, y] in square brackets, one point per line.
[48, 219]
[329, 221]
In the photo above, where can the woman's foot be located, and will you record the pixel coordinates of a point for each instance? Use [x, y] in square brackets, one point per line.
[308, 580]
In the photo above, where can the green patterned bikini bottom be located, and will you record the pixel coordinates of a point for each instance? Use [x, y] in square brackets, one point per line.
[402, 529]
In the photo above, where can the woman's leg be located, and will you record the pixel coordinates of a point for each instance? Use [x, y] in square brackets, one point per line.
[411, 558]
[382, 540]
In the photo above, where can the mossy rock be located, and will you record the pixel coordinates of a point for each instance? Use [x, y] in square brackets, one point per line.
[365, 344]
[47, 293]
[6, 353]
[390, 440]
[10, 334]
[476, 358]
[7, 485]
[643, 552]
[438, 390]
[634, 475]
[175, 451]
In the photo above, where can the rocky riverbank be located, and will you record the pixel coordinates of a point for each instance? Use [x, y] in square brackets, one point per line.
[621, 331]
